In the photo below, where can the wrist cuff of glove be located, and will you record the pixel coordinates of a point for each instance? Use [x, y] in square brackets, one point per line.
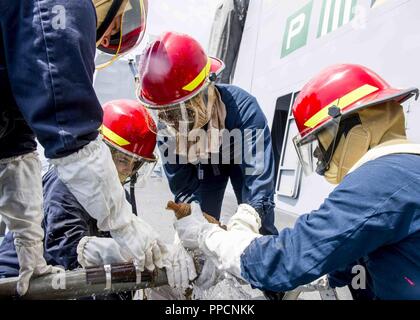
[206, 232]
[245, 215]
[81, 249]
[30, 155]
[86, 151]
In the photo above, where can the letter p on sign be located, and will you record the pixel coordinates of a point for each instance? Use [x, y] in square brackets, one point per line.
[297, 28]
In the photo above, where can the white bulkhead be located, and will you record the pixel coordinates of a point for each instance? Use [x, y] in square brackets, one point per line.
[285, 43]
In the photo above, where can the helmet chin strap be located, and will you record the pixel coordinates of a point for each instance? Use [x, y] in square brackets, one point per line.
[133, 181]
[345, 127]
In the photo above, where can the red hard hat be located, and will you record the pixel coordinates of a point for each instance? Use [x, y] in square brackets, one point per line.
[174, 69]
[126, 126]
[348, 87]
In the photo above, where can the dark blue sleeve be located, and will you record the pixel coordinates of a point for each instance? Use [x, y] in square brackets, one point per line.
[65, 223]
[341, 277]
[49, 50]
[344, 277]
[182, 176]
[9, 263]
[258, 158]
[355, 220]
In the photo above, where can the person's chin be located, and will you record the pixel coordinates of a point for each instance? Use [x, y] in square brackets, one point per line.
[123, 179]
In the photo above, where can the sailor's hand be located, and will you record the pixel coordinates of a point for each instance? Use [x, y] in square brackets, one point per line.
[94, 251]
[142, 243]
[32, 263]
[191, 227]
[245, 219]
[180, 267]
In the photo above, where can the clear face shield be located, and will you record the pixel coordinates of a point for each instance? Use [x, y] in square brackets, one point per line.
[129, 165]
[316, 150]
[183, 117]
[125, 33]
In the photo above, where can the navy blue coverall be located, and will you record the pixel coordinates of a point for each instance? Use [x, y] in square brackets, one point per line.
[206, 183]
[65, 224]
[372, 219]
[47, 52]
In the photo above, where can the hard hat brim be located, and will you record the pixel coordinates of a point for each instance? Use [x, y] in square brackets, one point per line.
[150, 158]
[376, 98]
[217, 65]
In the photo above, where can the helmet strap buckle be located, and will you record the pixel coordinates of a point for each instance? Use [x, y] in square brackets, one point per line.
[212, 77]
[334, 112]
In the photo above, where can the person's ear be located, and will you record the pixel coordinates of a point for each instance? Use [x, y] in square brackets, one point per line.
[105, 41]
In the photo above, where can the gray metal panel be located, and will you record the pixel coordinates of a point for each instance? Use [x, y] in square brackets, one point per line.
[226, 35]
[290, 170]
[115, 82]
[2, 229]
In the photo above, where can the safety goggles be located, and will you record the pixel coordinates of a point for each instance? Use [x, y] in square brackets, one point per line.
[183, 117]
[315, 154]
[129, 165]
[129, 34]
[316, 151]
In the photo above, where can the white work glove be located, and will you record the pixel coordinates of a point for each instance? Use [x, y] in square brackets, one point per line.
[190, 228]
[32, 264]
[246, 218]
[226, 247]
[94, 251]
[208, 276]
[180, 268]
[91, 176]
[21, 209]
[141, 242]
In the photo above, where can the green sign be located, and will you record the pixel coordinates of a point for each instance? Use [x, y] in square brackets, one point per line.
[334, 14]
[297, 28]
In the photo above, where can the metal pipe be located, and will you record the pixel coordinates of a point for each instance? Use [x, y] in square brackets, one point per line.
[85, 282]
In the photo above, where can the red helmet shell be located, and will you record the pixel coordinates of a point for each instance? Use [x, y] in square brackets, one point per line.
[173, 69]
[126, 127]
[349, 87]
